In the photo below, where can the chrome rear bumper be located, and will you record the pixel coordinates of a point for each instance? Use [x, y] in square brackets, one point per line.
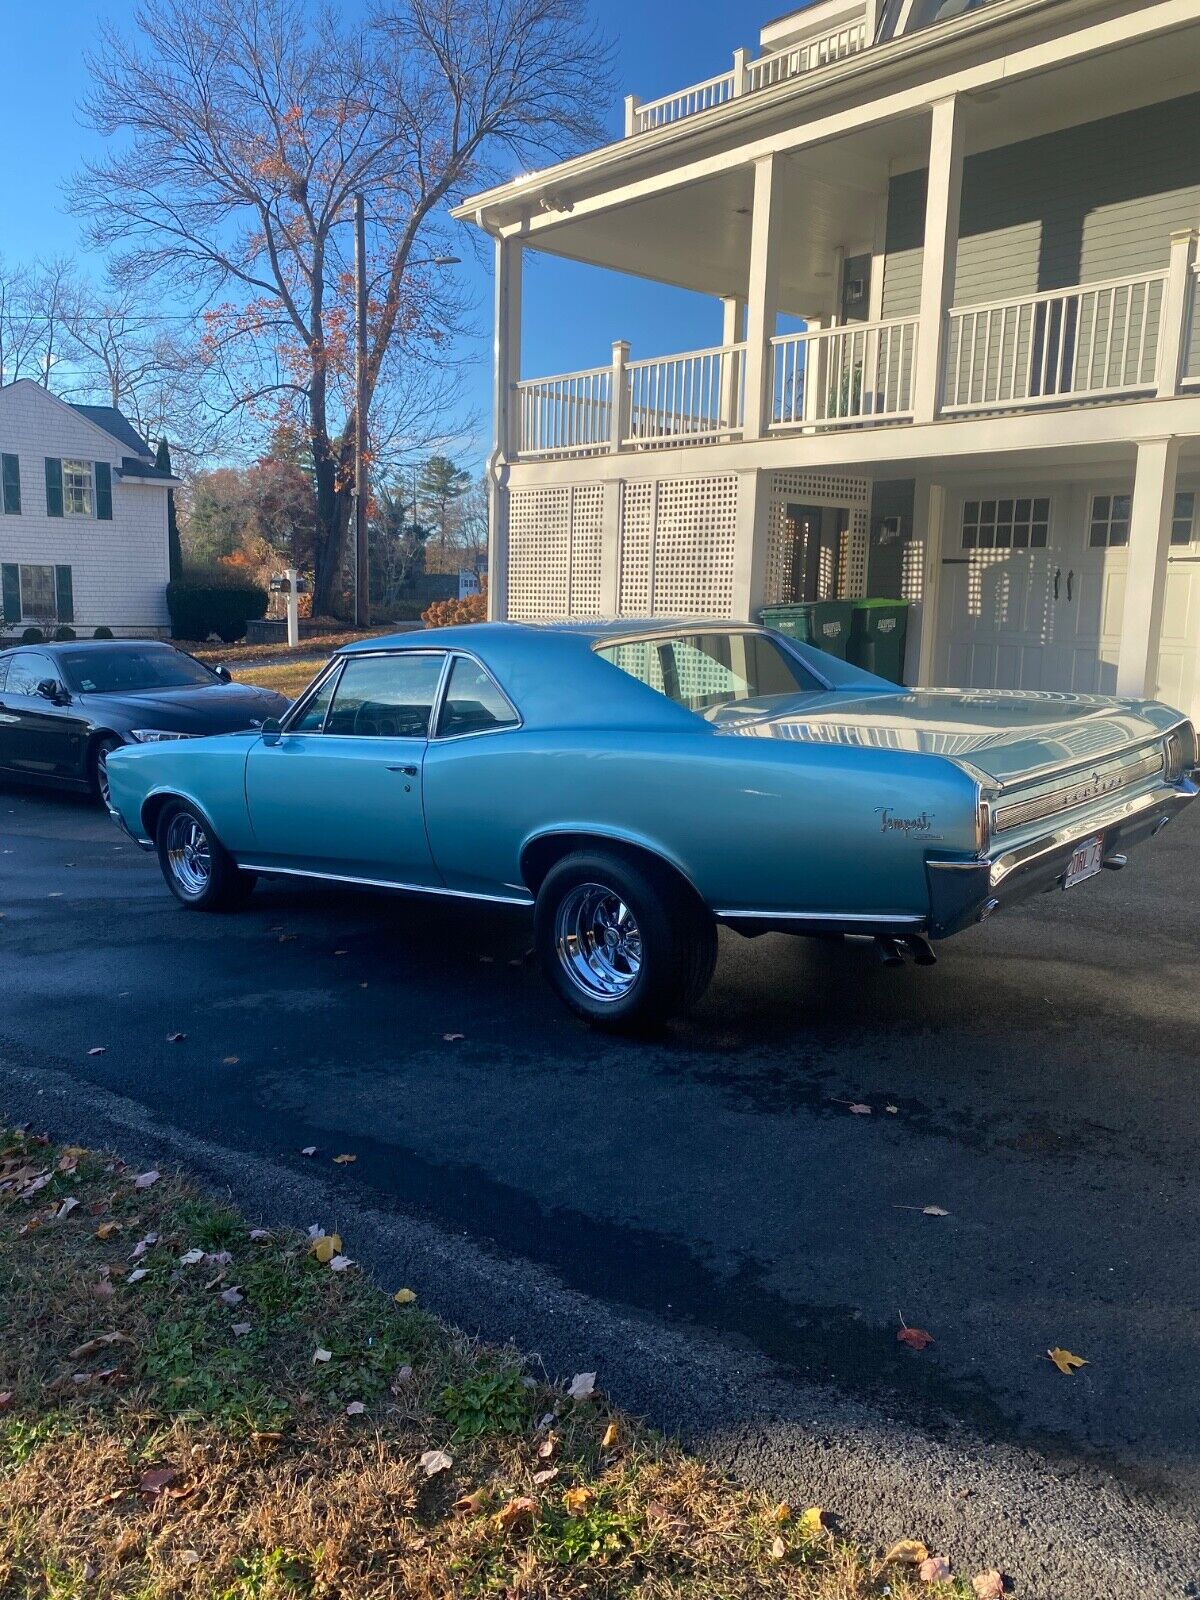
[965, 892]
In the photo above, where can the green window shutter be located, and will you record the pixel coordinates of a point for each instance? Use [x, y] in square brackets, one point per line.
[10, 573]
[63, 595]
[103, 491]
[54, 495]
[12, 484]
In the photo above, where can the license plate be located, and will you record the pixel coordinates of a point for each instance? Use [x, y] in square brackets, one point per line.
[1086, 862]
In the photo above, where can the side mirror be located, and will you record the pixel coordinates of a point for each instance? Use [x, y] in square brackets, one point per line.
[223, 672]
[50, 689]
[272, 731]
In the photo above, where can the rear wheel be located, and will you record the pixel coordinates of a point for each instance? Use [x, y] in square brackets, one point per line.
[101, 751]
[199, 871]
[624, 944]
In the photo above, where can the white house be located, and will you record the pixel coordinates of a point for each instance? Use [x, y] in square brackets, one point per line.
[985, 214]
[83, 517]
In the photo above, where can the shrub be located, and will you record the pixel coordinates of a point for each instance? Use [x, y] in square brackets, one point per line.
[33, 636]
[102, 632]
[448, 613]
[214, 602]
[63, 633]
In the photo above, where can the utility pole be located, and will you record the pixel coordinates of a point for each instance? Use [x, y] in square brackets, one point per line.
[362, 571]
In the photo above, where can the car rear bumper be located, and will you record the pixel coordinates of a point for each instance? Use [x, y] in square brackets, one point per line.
[965, 892]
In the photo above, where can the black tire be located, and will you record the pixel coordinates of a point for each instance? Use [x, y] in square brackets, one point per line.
[96, 764]
[624, 944]
[198, 870]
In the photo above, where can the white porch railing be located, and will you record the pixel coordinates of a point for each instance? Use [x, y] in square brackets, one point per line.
[839, 377]
[746, 77]
[1095, 340]
[686, 399]
[568, 415]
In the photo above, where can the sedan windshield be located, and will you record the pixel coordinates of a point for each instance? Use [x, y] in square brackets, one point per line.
[705, 671]
[124, 669]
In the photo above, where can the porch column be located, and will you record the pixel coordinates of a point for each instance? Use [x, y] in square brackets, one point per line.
[940, 254]
[762, 306]
[750, 545]
[1146, 575]
[506, 372]
[733, 331]
[929, 524]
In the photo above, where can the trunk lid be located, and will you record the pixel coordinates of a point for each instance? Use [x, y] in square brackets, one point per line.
[1011, 737]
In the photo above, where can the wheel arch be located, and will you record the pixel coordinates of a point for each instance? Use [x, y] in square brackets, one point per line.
[94, 740]
[155, 804]
[543, 851]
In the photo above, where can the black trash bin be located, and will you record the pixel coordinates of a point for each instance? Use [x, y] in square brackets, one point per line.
[825, 624]
[878, 631]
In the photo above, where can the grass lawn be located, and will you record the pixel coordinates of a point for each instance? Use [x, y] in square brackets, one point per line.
[288, 677]
[190, 1406]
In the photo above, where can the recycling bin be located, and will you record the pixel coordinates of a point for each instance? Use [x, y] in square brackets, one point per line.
[878, 630]
[825, 624]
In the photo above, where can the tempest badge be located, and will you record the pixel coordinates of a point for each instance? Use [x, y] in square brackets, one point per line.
[889, 822]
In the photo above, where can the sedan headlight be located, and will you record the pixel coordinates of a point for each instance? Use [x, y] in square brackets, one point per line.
[158, 735]
[1181, 753]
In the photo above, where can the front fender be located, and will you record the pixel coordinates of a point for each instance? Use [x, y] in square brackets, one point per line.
[209, 774]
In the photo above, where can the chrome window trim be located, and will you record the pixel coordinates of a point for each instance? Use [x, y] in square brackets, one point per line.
[290, 716]
[270, 870]
[341, 662]
[437, 737]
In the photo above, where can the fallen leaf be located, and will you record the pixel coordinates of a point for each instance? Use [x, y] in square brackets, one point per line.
[101, 1342]
[325, 1247]
[988, 1585]
[6, 1399]
[190, 1558]
[103, 1290]
[860, 1110]
[322, 1355]
[66, 1208]
[145, 1179]
[343, 1161]
[906, 1553]
[782, 1512]
[98, 1050]
[176, 1038]
[107, 1229]
[340, 1263]
[546, 1475]
[915, 1339]
[582, 1386]
[240, 1329]
[451, 1037]
[812, 1522]
[933, 1211]
[259, 1235]
[153, 1483]
[470, 1505]
[143, 1244]
[355, 1408]
[137, 1275]
[404, 1297]
[233, 1297]
[576, 1501]
[260, 1443]
[778, 1549]
[309, 1150]
[522, 1509]
[191, 1257]
[934, 1569]
[341, 952]
[611, 1435]
[1065, 1361]
[230, 1061]
[892, 1111]
[401, 1377]
[435, 1461]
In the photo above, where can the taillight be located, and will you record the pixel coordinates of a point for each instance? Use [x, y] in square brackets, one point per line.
[983, 825]
[1180, 752]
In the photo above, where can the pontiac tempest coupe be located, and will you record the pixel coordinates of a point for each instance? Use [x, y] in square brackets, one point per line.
[638, 783]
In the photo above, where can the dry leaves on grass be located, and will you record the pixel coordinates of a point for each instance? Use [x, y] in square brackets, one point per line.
[934, 1569]
[435, 1461]
[988, 1585]
[906, 1553]
[582, 1386]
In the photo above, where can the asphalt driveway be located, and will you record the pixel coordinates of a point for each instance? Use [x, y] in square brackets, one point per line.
[705, 1217]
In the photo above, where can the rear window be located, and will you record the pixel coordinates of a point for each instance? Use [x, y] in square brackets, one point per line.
[705, 671]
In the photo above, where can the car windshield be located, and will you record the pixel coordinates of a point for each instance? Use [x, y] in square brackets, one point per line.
[124, 669]
[706, 671]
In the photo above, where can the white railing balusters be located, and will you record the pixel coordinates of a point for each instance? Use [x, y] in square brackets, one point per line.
[570, 414]
[694, 398]
[848, 376]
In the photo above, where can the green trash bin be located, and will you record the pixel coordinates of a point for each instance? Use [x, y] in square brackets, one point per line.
[878, 630]
[825, 624]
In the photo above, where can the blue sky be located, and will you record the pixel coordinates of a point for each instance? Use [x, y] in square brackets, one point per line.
[43, 141]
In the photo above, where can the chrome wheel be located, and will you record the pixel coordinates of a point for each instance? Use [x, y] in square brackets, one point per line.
[102, 773]
[189, 854]
[598, 941]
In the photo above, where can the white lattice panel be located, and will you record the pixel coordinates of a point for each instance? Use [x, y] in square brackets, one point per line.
[694, 547]
[587, 534]
[852, 579]
[635, 590]
[539, 553]
[817, 489]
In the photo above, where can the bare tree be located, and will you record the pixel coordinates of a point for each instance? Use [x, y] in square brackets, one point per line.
[20, 327]
[247, 127]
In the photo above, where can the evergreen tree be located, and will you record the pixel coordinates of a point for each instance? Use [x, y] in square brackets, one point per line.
[162, 461]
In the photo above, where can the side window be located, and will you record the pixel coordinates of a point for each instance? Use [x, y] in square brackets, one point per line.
[26, 670]
[312, 718]
[473, 703]
[386, 697]
[4, 660]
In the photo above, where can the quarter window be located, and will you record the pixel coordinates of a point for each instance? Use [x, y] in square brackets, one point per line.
[473, 704]
[1022, 523]
[705, 671]
[77, 488]
[1183, 519]
[386, 697]
[1110, 521]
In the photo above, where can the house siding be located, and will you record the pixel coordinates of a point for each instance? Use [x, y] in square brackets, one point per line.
[119, 569]
[1083, 205]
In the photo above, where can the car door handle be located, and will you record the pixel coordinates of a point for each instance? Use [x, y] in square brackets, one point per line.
[409, 772]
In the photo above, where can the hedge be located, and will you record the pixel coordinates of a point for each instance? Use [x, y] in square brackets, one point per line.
[202, 605]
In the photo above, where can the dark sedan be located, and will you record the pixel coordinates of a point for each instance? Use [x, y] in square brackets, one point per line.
[64, 707]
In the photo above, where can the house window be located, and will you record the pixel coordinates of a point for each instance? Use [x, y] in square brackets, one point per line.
[10, 484]
[77, 488]
[1183, 519]
[37, 593]
[1022, 523]
[1110, 521]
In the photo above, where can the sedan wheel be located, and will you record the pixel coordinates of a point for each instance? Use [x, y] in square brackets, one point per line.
[100, 768]
[198, 869]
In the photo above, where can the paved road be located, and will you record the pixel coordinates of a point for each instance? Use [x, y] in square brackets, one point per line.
[703, 1217]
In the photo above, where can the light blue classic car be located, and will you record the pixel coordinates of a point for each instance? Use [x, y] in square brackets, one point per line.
[638, 783]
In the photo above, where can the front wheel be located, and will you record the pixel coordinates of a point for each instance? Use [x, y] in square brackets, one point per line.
[199, 871]
[98, 775]
[624, 944]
